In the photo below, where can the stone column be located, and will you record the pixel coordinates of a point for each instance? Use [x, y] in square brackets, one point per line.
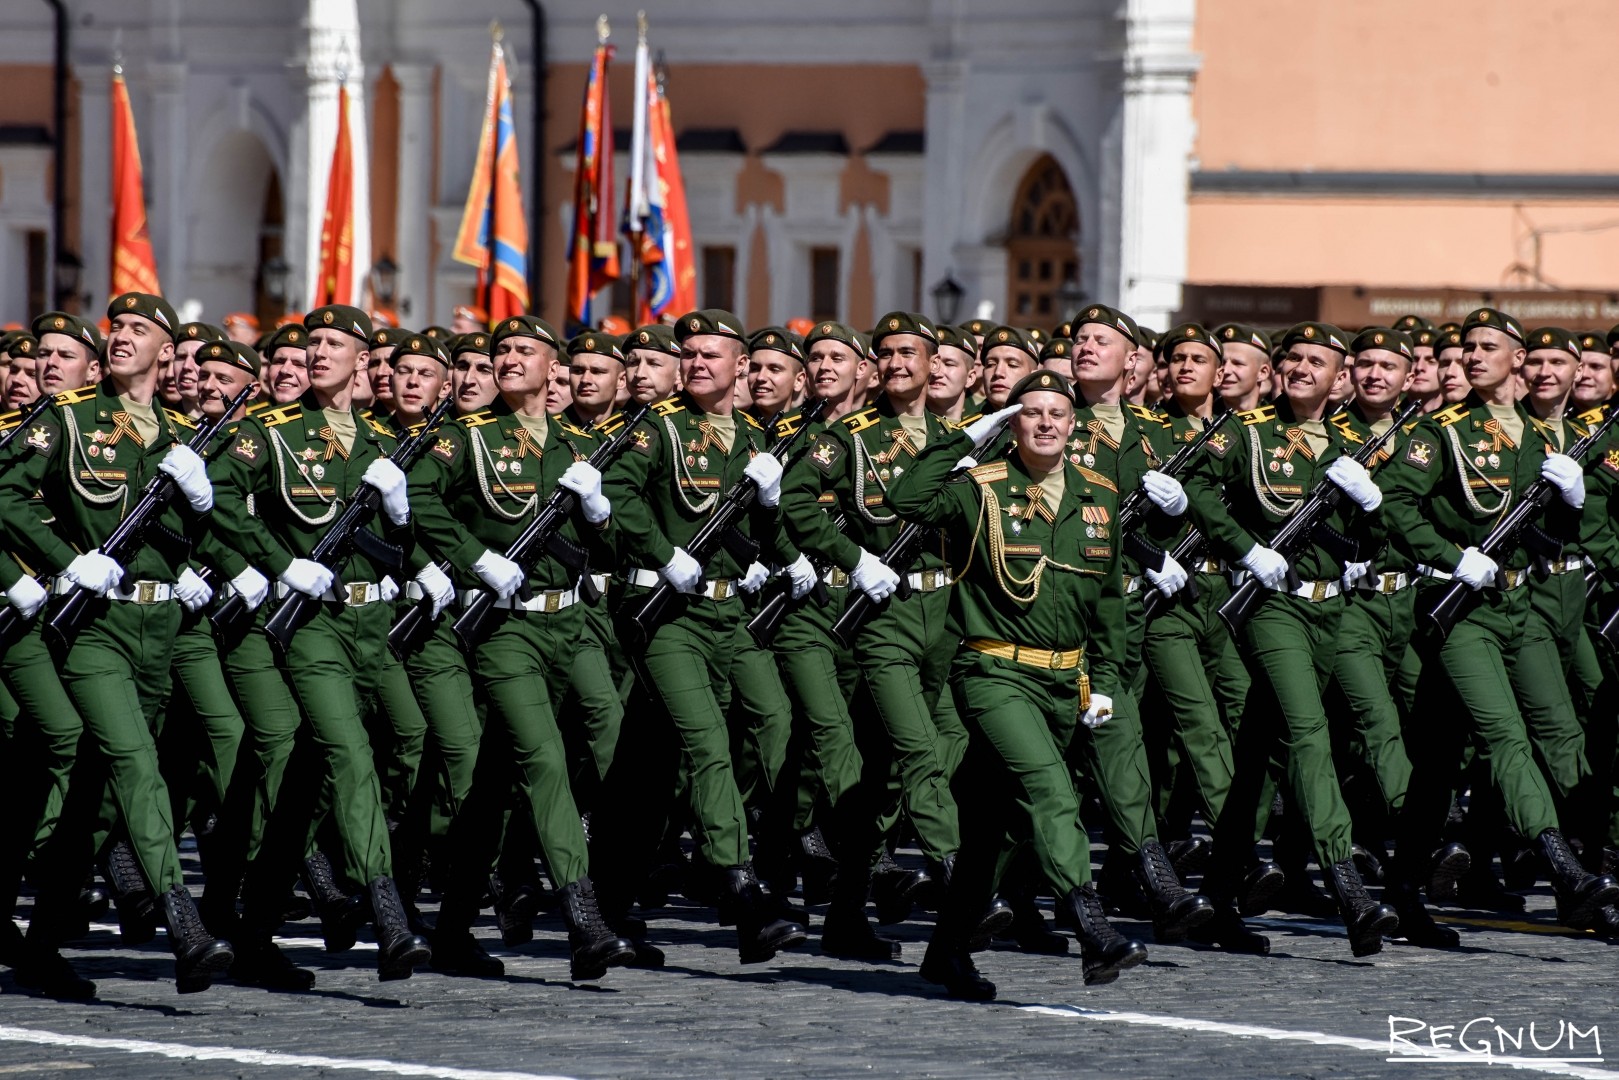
[332, 55]
[413, 229]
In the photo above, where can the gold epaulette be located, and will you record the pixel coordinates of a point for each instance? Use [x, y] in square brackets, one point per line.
[73, 397]
[259, 406]
[789, 424]
[1093, 477]
[1447, 417]
[567, 425]
[669, 406]
[1262, 415]
[383, 429]
[478, 419]
[180, 418]
[609, 425]
[989, 472]
[1346, 428]
[1590, 417]
[1150, 415]
[277, 417]
[10, 420]
[860, 421]
[747, 418]
[957, 425]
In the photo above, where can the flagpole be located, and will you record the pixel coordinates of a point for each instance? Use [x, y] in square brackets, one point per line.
[497, 34]
[638, 139]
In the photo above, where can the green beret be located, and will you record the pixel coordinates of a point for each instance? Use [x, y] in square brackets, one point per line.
[20, 343]
[1238, 334]
[1149, 338]
[836, 331]
[1187, 331]
[1041, 380]
[1553, 337]
[384, 336]
[957, 336]
[1383, 337]
[597, 342]
[199, 331]
[1012, 336]
[777, 339]
[1058, 348]
[420, 345]
[1495, 320]
[1428, 336]
[525, 326]
[976, 327]
[60, 322]
[1412, 323]
[290, 336]
[1316, 333]
[473, 341]
[866, 345]
[234, 353]
[1106, 316]
[904, 322]
[153, 308]
[1613, 336]
[654, 336]
[1448, 339]
[438, 333]
[1063, 330]
[350, 320]
[1591, 341]
[1446, 327]
[1037, 335]
[709, 321]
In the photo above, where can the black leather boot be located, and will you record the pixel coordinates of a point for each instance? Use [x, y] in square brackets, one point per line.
[137, 908]
[1416, 925]
[341, 914]
[1581, 895]
[1121, 893]
[818, 867]
[1300, 895]
[1446, 869]
[759, 936]
[593, 946]
[847, 933]
[1258, 887]
[947, 963]
[1103, 950]
[38, 966]
[994, 919]
[516, 903]
[260, 962]
[1226, 930]
[1481, 890]
[1189, 856]
[1366, 920]
[1029, 928]
[1174, 910]
[398, 950]
[1369, 861]
[198, 955]
[889, 892]
[457, 952]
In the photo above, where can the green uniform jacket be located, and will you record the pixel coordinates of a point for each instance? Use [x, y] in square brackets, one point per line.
[84, 458]
[1457, 475]
[1264, 470]
[670, 480]
[482, 482]
[282, 480]
[1370, 531]
[1146, 444]
[1597, 538]
[1051, 581]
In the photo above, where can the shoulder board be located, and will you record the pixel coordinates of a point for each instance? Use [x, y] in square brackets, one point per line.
[10, 420]
[567, 425]
[1151, 416]
[382, 429]
[73, 397]
[477, 419]
[1262, 415]
[1592, 417]
[862, 420]
[609, 425]
[1093, 477]
[788, 424]
[276, 417]
[957, 425]
[1447, 417]
[259, 406]
[1346, 428]
[989, 472]
[1411, 426]
[669, 406]
[180, 418]
[747, 418]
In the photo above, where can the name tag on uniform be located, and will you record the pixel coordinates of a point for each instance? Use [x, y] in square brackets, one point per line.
[103, 474]
[1030, 551]
[305, 491]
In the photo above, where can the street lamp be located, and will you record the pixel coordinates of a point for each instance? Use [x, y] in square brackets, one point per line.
[69, 275]
[385, 281]
[1070, 297]
[947, 297]
[276, 271]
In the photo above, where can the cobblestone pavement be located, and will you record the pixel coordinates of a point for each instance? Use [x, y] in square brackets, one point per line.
[1308, 1010]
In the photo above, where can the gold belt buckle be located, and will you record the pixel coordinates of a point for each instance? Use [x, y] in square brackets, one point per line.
[553, 601]
[145, 592]
[356, 593]
[1054, 660]
[930, 580]
[837, 579]
[1318, 591]
[722, 589]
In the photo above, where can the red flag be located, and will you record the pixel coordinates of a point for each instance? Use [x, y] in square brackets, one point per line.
[133, 267]
[494, 229]
[593, 248]
[335, 283]
[679, 273]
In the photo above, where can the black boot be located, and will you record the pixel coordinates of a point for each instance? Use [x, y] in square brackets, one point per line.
[1481, 890]
[198, 955]
[260, 962]
[593, 945]
[995, 919]
[1174, 910]
[340, 913]
[398, 950]
[1580, 895]
[1104, 951]
[847, 933]
[1189, 856]
[1416, 925]
[1605, 923]
[1446, 869]
[952, 967]
[818, 867]
[1121, 893]
[1365, 920]
[515, 906]
[1300, 895]
[1369, 862]
[759, 937]
[1262, 883]
[137, 908]
[41, 968]
[457, 952]
[1029, 927]
[889, 882]
[1227, 931]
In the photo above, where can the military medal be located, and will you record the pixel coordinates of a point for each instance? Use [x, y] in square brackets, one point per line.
[1495, 461]
[1090, 532]
[1017, 527]
[702, 461]
[1479, 461]
[690, 461]
[318, 471]
[500, 466]
[94, 450]
[517, 468]
[884, 475]
[1287, 468]
[1276, 466]
[1090, 461]
[898, 469]
[111, 455]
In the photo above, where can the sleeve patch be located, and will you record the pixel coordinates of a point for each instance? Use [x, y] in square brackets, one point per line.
[1218, 444]
[641, 441]
[825, 454]
[445, 448]
[247, 448]
[40, 438]
[1610, 461]
[1419, 452]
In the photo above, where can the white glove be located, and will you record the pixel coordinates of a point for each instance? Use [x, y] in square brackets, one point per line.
[94, 571]
[585, 481]
[985, 424]
[388, 589]
[1353, 572]
[874, 577]
[188, 471]
[1266, 565]
[765, 471]
[385, 476]
[1165, 492]
[1476, 569]
[1353, 479]
[756, 576]
[1100, 712]
[252, 586]
[437, 585]
[802, 575]
[1171, 579]
[1564, 473]
[27, 596]
[194, 593]
[499, 573]
[308, 577]
[682, 572]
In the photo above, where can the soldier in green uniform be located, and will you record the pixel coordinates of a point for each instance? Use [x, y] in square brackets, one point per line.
[1245, 374]
[1460, 470]
[1041, 604]
[283, 480]
[1265, 470]
[285, 374]
[90, 456]
[956, 371]
[678, 465]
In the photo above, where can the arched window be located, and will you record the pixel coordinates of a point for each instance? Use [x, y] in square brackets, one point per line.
[1042, 245]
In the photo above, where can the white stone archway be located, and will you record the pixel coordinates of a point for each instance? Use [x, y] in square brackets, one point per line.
[225, 213]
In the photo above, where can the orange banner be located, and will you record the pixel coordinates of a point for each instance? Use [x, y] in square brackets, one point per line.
[134, 269]
[335, 284]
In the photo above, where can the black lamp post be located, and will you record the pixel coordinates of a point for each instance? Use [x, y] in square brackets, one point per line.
[385, 281]
[276, 271]
[1070, 297]
[947, 297]
[69, 276]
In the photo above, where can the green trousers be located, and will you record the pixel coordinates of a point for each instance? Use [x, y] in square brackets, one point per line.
[761, 717]
[444, 688]
[199, 742]
[1114, 755]
[1376, 673]
[594, 710]
[398, 732]
[1542, 679]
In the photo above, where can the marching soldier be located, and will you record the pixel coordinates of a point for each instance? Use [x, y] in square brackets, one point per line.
[285, 376]
[956, 371]
[1245, 374]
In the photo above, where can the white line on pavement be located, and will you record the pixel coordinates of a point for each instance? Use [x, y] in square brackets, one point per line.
[257, 1057]
[1432, 1055]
